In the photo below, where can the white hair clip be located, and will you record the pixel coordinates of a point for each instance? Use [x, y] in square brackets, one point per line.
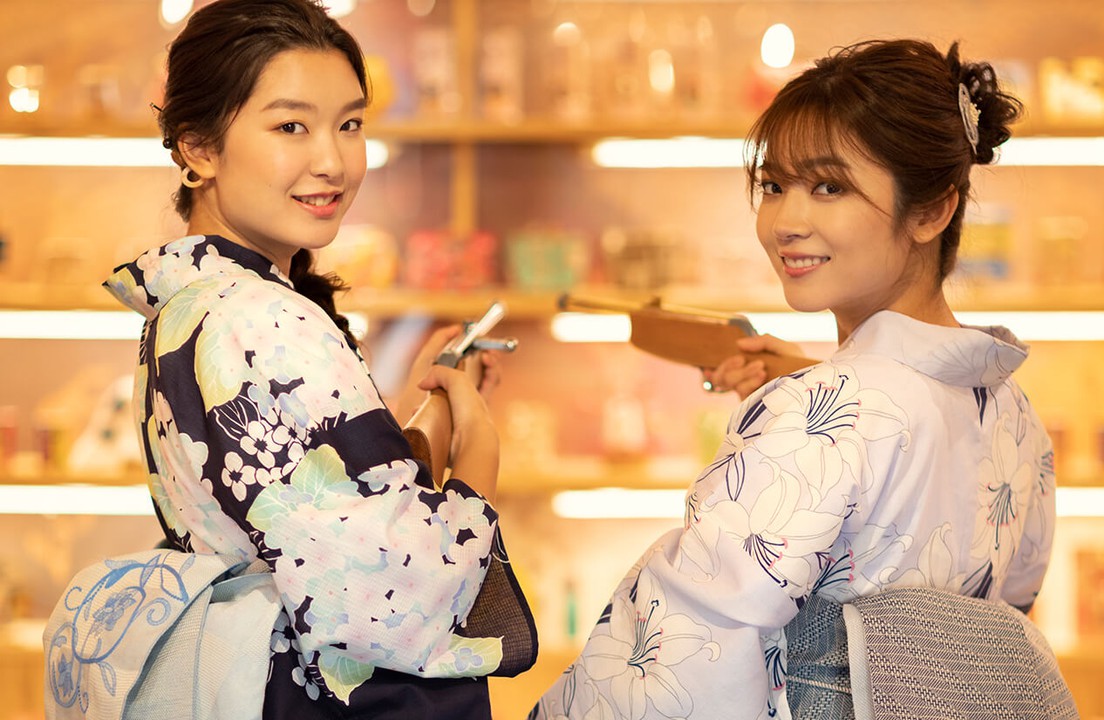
[970, 115]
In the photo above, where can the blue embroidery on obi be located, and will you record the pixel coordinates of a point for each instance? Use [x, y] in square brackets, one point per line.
[129, 593]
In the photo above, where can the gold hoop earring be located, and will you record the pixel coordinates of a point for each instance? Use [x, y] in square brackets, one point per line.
[186, 178]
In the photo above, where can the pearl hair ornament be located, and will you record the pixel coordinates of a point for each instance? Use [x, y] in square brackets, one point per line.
[970, 115]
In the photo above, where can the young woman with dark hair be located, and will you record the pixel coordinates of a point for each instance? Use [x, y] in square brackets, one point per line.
[264, 433]
[908, 459]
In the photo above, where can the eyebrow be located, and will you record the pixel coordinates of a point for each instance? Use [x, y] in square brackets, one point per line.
[809, 164]
[289, 104]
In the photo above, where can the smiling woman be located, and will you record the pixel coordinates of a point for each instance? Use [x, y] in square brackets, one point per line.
[910, 458]
[265, 439]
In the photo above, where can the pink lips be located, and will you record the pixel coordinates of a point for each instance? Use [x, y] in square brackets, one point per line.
[323, 212]
[802, 268]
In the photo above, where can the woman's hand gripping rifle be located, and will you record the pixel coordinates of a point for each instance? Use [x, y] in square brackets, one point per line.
[429, 430]
[690, 336]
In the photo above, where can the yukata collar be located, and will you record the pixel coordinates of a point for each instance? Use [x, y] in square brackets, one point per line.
[148, 282]
[967, 356]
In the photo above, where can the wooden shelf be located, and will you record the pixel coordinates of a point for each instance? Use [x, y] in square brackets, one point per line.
[535, 305]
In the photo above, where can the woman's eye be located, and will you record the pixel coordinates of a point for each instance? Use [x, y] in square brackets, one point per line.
[828, 188]
[770, 188]
[354, 124]
[292, 128]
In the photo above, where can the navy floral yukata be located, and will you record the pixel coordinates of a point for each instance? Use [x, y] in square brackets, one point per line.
[266, 437]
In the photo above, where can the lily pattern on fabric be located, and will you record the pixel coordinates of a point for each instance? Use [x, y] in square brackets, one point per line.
[841, 480]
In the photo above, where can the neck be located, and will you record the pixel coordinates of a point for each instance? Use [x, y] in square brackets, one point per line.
[932, 309]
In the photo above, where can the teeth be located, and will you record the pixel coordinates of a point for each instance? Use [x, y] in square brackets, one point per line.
[318, 200]
[803, 262]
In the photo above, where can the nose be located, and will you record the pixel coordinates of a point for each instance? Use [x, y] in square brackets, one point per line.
[790, 219]
[326, 157]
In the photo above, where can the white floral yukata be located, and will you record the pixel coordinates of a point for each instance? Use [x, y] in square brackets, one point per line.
[909, 458]
[266, 437]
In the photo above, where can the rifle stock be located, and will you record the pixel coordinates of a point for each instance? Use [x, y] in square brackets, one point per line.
[429, 432]
[701, 338]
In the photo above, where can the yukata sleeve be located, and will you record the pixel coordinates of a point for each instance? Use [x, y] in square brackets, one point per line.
[694, 630]
[375, 566]
[1032, 557]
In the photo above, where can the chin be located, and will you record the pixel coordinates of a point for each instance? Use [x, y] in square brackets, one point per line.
[799, 303]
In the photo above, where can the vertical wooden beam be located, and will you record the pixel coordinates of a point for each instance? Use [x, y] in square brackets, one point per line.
[464, 190]
[464, 195]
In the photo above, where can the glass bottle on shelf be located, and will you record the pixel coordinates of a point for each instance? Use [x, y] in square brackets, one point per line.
[568, 72]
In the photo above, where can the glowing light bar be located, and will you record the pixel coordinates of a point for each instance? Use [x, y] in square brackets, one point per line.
[1052, 152]
[1080, 501]
[608, 503]
[572, 327]
[680, 152]
[75, 500]
[113, 152]
[70, 325]
[621, 503]
[700, 152]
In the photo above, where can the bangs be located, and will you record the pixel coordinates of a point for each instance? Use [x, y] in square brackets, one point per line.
[795, 135]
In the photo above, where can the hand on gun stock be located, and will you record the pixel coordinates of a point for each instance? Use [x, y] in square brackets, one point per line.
[725, 346]
[452, 429]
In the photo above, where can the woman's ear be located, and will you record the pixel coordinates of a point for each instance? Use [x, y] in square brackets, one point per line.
[197, 156]
[930, 222]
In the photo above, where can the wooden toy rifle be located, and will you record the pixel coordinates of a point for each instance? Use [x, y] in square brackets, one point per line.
[429, 430]
[690, 336]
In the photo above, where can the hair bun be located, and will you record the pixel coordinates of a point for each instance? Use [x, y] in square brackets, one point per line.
[996, 109]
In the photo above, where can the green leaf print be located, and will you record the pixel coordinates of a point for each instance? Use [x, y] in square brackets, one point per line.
[320, 473]
[220, 365]
[342, 674]
[179, 317]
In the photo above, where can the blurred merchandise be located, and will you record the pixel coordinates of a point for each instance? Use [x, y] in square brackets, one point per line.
[364, 256]
[1073, 92]
[501, 73]
[1059, 250]
[1089, 568]
[762, 83]
[59, 417]
[1017, 78]
[623, 66]
[528, 435]
[1056, 430]
[438, 260]
[9, 436]
[647, 259]
[435, 75]
[985, 252]
[63, 261]
[693, 48]
[546, 259]
[108, 443]
[99, 93]
[624, 428]
[381, 85]
[568, 73]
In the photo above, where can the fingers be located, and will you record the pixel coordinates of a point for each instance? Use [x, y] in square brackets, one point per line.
[768, 343]
[736, 373]
[491, 376]
[439, 338]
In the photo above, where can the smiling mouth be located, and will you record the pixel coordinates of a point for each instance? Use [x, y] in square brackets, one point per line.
[803, 263]
[317, 200]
